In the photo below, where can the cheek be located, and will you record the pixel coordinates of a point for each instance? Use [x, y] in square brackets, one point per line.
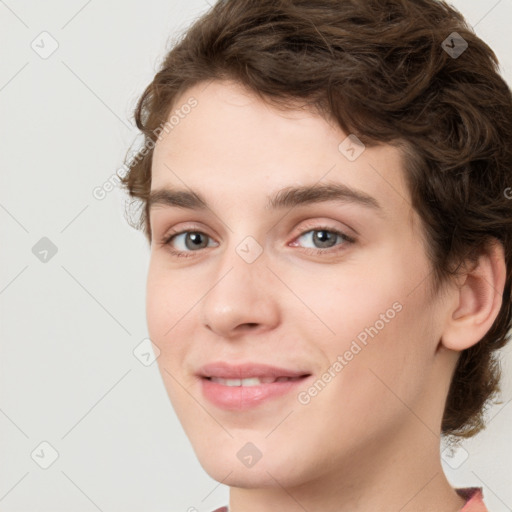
[164, 308]
[156, 303]
[172, 307]
[349, 301]
[382, 337]
[370, 383]
[383, 365]
[166, 300]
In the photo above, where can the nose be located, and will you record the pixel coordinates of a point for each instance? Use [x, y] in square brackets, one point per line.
[242, 298]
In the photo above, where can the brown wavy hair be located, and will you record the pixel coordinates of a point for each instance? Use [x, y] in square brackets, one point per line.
[378, 68]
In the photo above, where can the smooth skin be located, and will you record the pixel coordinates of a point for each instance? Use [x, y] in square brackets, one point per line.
[369, 440]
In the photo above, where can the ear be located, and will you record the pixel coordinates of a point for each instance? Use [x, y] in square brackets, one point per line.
[477, 301]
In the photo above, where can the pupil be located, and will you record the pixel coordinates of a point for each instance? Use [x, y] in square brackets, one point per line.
[324, 237]
[195, 238]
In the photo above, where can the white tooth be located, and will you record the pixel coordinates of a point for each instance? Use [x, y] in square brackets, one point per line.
[232, 382]
[227, 382]
[254, 381]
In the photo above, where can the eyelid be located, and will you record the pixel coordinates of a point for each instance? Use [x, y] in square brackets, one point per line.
[320, 225]
[191, 228]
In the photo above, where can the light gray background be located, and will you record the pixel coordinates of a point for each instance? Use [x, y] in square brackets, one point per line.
[68, 375]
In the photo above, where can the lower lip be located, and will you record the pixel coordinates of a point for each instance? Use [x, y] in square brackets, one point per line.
[239, 398]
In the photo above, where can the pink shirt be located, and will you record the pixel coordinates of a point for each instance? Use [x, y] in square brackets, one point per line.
[472, 495]
[474, 499]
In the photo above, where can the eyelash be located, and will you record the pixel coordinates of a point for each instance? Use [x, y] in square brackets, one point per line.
[346, 239]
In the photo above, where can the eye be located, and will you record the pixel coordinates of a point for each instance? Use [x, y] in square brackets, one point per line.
[323, 238]
[187, 241]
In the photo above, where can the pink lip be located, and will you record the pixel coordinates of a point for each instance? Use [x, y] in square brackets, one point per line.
[238, 398]
[224, 370]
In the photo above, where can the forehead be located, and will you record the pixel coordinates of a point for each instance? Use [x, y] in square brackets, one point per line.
[235, 146]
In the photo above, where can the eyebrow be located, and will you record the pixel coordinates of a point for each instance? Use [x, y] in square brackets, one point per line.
[288, 197]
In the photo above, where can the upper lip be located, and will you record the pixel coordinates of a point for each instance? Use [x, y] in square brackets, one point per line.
[223, 370]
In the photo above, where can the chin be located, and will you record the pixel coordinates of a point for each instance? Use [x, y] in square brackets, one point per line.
[246, 479]
[236, 475]
[231, 465]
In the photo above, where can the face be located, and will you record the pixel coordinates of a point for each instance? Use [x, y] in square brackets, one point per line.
[290, 303]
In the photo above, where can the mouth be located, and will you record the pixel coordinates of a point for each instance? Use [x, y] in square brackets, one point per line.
[242, 387]
[252, 381]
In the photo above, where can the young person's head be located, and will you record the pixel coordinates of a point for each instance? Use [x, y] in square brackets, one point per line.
[325, 186]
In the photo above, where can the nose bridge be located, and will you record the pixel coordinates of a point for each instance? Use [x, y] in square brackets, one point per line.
[240, 293]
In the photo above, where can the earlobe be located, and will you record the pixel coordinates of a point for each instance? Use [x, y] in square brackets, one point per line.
[477, 301]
